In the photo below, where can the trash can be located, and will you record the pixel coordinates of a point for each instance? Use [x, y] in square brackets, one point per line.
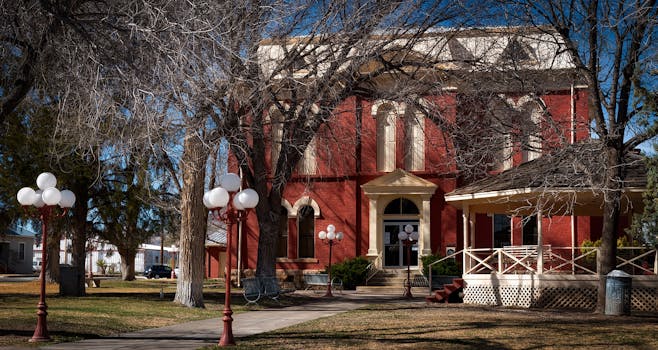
[618, 293]
[68, 280]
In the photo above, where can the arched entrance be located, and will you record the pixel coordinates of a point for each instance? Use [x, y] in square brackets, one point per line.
[395, 200]
[399, 213]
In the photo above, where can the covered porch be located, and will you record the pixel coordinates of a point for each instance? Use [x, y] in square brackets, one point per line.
[554, 194]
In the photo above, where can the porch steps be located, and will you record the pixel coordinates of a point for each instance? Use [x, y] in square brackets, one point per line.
[450, 292]
[390, 282]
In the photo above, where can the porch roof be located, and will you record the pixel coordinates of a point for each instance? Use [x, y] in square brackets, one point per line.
[567, 181]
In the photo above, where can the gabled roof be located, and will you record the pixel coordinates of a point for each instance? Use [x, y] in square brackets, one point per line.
[399, 181]
[576, 171]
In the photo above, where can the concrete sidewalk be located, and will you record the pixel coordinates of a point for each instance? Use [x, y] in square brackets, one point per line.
[193, 335]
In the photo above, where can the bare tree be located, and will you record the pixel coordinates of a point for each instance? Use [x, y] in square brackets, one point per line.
[613, 46]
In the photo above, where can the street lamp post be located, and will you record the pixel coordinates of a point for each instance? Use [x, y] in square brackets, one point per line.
[44, 199]
[235, 206]
[408, 236]
[330, 237]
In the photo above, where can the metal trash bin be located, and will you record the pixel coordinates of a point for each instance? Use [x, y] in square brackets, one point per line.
[618, 293]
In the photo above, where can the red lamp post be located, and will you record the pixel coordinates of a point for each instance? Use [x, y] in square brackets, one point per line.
[408, 236]
[44, 200]
[330, 237]
[235, 208]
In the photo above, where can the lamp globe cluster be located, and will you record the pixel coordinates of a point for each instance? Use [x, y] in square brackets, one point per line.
[47, 194]
[219, 196]
[408, 233]
[330, 234]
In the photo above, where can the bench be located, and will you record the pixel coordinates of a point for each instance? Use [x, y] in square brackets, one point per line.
[254, 288]
[320, 280]
[92, 282]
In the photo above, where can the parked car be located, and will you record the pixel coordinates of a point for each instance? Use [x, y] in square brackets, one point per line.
[157, 271]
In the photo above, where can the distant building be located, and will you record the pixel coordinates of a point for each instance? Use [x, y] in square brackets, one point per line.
[16, 250]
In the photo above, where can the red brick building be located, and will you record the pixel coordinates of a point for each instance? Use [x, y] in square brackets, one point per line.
[381, 164]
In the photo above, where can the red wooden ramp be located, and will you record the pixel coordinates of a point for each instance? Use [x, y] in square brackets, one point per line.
[443, 295]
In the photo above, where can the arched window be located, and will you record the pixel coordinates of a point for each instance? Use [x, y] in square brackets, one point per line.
[414, 141]
[401, 206]
[306, 229]
[282, 241]
[276, 121]
[386, 116]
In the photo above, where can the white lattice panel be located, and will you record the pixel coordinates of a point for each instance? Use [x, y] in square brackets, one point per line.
[584, 298]
[644, 299]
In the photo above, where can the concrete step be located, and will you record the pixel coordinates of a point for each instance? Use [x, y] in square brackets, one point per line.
[390, 290]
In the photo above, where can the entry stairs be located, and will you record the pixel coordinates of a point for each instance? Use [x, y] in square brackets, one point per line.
[451, 292]
[392, 281]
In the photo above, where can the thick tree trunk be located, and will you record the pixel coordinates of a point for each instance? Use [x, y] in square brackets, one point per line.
[52, 268]
[79, 240]
[127, 264]
[189, 290]
[267, 245]
[611, 212]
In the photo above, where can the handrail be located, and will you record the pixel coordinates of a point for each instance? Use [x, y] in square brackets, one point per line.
[449, 256]
[371, 269]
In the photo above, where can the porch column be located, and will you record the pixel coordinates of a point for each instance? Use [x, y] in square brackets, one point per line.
[373, 239]
[466, 225]
[540, 242]
[425, 242]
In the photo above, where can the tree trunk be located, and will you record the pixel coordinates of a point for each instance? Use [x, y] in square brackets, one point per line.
[127, 264]
[52, 247]
[189, 290]
[79, 239]
[267, 242]
[611, 211]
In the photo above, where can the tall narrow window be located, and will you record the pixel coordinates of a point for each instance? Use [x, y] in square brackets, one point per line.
[530, 230]
[282, 242]
[276, 122]
[306, 225]
[531, 147]
[21, 251]
[386, 138]
[502, 230]
[414, 143]
[308, 164]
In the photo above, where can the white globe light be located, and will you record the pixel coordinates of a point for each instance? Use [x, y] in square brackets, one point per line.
[231, 182]
[414, 236]
[39, 199]
[26, 196]
[206, 200]
[236, 202]
[46, 180]
[322, 235]
[248, 198]
[408, 229]
[402, 236]
[339, 236]
[218, 197]
[68, 199]
[331, 228]
[51, 196]
[331, 235]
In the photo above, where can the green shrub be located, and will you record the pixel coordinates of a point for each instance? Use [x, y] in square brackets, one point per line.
[447, 267]
[351, 271]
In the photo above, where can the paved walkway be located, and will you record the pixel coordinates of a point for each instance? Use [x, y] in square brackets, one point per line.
[193, 335]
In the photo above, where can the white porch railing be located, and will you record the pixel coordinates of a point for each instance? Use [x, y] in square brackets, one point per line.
[555, 260]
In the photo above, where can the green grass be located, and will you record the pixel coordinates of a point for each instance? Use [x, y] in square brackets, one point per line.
[116, 307]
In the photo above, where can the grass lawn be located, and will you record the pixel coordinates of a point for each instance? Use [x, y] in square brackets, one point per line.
[116, 307]
[457, 326]
[127, 306]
